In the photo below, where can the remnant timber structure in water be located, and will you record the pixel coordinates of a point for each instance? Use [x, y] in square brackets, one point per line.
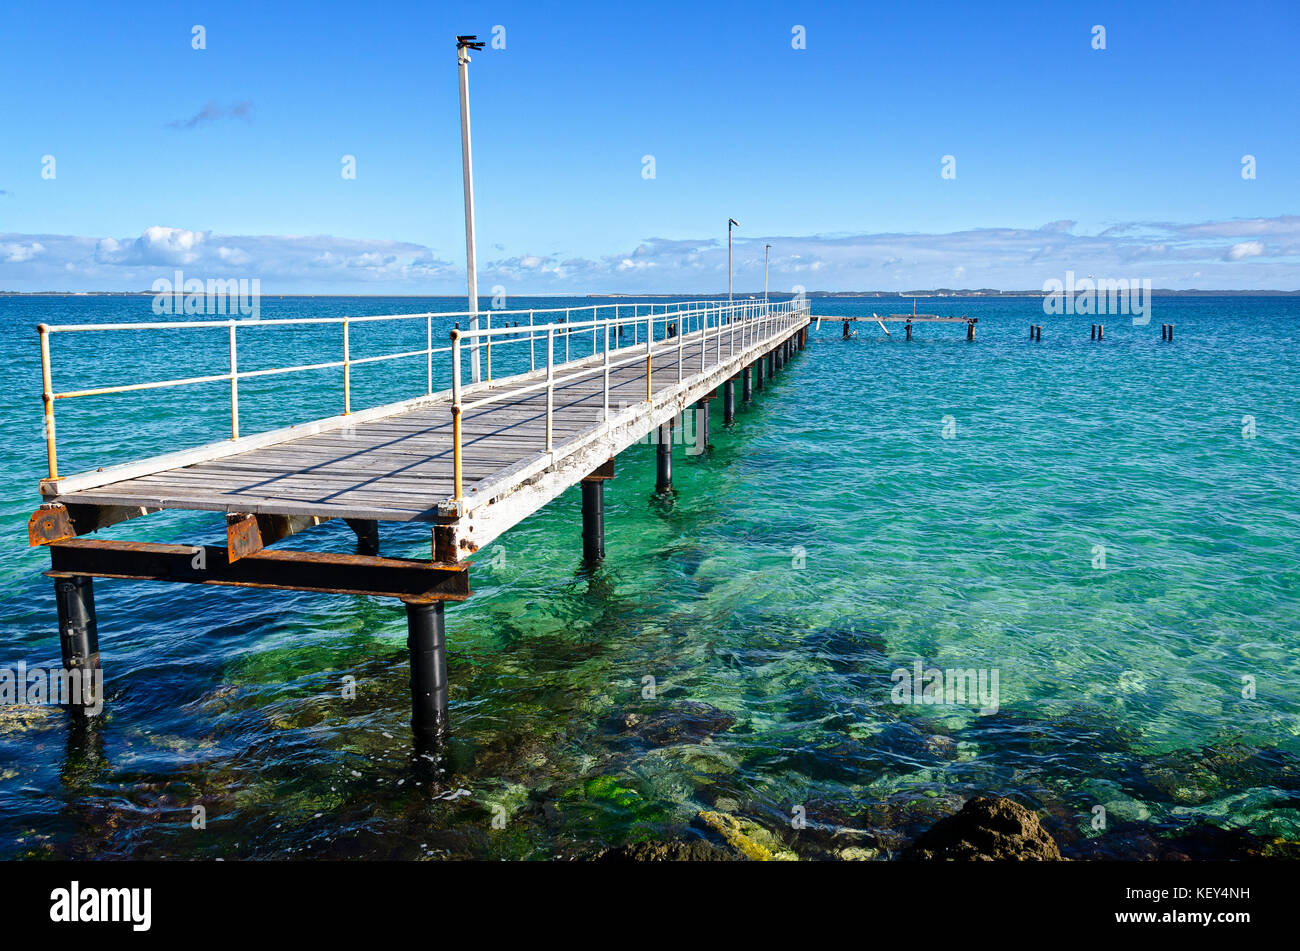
[472, 460]
[910, 319]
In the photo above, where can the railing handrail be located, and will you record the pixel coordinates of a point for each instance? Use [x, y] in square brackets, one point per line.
[708, 315]
[743, 314]
[369, 318]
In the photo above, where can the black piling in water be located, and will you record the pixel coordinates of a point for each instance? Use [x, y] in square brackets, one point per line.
[909, 330]
[367, 531]
[778, 357]
[702, 425]
[1094, 332]
[593, 520]
[426, 640]
[1101, 330]
[747, 384]
[846, 330]
[729, 402]
[79, 634]
[970, 330]
[664, 460]
[758, 374]
[1167, 332]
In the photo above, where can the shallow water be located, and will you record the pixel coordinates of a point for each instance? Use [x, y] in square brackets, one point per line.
[880, 503]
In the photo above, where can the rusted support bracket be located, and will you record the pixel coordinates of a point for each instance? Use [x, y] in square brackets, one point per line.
[55, 521]
[247, 533]
[419, 582]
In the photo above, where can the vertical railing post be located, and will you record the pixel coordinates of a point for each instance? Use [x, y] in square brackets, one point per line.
[681, 344]
[649, 350]
[347, 371]
[428, 344]
[704, 336]
[455, 416]
[606, 387]
[550, 382]
[234, 384]
[47, 394]
[488, 328]
[532, 348]
[567, 334]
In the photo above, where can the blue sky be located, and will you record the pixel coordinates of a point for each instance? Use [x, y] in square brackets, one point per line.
[226, 161]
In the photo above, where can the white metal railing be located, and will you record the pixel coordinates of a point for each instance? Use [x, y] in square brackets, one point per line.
[711, 326]
[715, 326]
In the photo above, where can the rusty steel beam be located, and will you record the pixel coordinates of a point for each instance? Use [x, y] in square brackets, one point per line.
[54, 521]
[418, 582]
[247, 533]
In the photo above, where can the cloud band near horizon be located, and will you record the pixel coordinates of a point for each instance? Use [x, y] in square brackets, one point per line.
[1239, 254]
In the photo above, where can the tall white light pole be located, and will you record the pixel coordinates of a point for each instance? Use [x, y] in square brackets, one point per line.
[463, 45]
[730, 222]
[767, 250]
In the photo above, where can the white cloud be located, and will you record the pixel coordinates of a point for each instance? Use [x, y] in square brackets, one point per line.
[1245, 249]
[14, 253]
[1169, 254]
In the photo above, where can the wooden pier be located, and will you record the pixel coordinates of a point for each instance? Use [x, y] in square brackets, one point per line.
[471, 461]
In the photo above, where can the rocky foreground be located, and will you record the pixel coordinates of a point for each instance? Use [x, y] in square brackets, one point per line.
[986, 829]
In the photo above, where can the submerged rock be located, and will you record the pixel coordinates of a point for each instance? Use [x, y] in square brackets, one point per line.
[685, 722]
[987, 829]
[695, 850]
[747, 837]
[1192, 777]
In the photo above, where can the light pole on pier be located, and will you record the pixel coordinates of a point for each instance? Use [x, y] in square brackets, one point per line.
[767, 250]
[463, 45]
[730, 222]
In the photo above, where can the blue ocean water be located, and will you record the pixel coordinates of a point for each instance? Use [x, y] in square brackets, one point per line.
[1109, 527]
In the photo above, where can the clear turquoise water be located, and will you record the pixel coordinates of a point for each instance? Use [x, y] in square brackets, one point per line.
[1119, 686]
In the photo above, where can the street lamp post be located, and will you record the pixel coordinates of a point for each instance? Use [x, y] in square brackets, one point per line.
[463, 45]
[767, 250]
[730, 223]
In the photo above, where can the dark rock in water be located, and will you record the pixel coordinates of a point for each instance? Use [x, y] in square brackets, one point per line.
[685, 722]
[987, 829]
[848, 651]
[696, 850]
[1190, 777]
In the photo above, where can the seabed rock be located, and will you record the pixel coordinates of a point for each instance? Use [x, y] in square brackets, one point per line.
[748, 838]
[684, 722]
[986, 829]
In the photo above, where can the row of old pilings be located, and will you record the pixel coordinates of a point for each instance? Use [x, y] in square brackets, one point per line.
[1098, 330]
[751, 380]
